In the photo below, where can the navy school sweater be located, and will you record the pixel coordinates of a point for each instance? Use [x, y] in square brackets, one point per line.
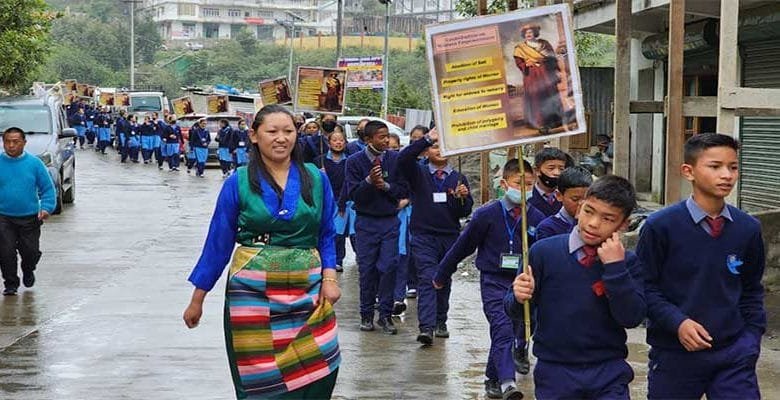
[551, 226]
[713, 281]
[336, 171]
[370, 201]
[575, 324]
[537, 200]
[487, 233]
[427, 216]
[147, 129]
[225, 137]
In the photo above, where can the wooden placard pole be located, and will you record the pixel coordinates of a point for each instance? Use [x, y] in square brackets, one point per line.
[622, 115]
[674, 119]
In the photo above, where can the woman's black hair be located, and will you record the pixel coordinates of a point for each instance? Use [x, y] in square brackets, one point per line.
[257, 167]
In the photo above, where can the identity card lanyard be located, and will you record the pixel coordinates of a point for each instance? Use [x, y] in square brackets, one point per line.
[511, 260]
[439, 196]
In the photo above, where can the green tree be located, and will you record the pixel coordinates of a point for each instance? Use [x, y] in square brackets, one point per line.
[24, 39]
[247, 41]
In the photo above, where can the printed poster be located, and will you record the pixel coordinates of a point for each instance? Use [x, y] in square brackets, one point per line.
[182, 106]
[320, 90]
[70, 85]
[122, 99]
[275, 91]
[505, 80]
[91, 91]
[82, 89]
[106, 99]
[69, 98]
[363, 72]
[217, 103]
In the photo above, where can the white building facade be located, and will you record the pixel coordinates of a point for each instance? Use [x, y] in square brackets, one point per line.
[194, 20]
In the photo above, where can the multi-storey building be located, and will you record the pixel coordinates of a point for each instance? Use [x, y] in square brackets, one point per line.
[223, 19]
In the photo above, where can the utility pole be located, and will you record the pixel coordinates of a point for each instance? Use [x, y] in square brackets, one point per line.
[386, 59]
[339, 27]
[132, 40]
[292, 46]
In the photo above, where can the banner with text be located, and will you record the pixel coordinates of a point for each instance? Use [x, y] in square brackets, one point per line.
[505, 80]
[364, 72]
[320, 90]
[275, 91]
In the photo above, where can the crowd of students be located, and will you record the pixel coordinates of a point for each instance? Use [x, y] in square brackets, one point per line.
[695, 277]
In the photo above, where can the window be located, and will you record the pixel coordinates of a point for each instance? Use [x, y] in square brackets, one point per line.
[188, 30]
[265, 14]
[234, 13]
[265, 32]
[211, 31]
[210, 12]
[235, 29]
[187, 9]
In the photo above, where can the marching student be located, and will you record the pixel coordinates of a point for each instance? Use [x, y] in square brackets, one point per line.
[494, 232]
[225, 140]
[91, 133]
[549, 163]
[334, 163]
[133, 140]
[311, 128]
[103, 123]
[572, 186]
[121, 127]
[703, 261]
[239, 142]
[172, 143]
[78, 121]
[147, 139]
[316, 144]
[358, 144]
[580, 343]
[160, 127]
[199, 143]
[441, 197]
[374, 185]
[404, 258]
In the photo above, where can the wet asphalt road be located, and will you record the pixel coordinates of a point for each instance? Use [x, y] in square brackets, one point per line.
[104, 318]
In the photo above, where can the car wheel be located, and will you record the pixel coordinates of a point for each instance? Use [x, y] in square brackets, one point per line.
[70, 196]
[58, 208]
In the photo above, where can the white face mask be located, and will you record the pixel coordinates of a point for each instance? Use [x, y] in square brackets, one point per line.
[513, 195]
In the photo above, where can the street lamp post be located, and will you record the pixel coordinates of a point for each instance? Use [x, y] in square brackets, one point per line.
[292, 46]
[386, 60]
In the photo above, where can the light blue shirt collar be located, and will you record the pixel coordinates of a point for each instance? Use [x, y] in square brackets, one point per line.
[371, 155]
[575, 241]
[699, 215]
[507, 204]
[564, 215]
[447, 169]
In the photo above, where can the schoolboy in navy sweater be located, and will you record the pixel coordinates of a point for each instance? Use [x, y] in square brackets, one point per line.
[494, 231]
[587, 289]
[572, 186]
[549, 164]
[441, 198]
[373, 184]
[704, 261]
[334, 163]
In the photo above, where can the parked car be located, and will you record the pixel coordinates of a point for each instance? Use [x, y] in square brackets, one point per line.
[212, 124]
[350, 127]
[48, 137]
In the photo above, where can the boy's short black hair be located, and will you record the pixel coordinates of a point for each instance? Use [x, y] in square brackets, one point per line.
[395, 137]
[698, 143]
[574, 177]
[512, 167]
[372, 127]
[14, 129]
[615, 191]
[550, 153]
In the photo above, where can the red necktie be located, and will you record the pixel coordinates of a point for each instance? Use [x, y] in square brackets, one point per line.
[716, 225]
[439, 174]
[590, 257]
[516, 212]
[377, 161]
[551, 198]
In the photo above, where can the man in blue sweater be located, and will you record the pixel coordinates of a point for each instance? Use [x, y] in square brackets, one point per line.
[373, 183]
[27, 197]
[549, 164]
[441, 198]
[572, 186]
[494, 231]
[587, 290]
[704, 260]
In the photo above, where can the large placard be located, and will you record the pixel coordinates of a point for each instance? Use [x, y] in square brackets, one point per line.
[505, 80]
[363, 72]
[182, 106]
[275, 91]
[320, 90]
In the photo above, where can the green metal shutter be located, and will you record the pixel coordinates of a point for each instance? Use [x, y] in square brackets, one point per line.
[760, 136]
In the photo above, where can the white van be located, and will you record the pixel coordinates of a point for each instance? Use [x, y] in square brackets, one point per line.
[147, 102]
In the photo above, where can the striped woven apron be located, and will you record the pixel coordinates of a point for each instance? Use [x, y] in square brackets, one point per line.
[277, 340]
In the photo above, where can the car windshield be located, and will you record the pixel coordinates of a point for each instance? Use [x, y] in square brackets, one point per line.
[29, 118]
[144, 103]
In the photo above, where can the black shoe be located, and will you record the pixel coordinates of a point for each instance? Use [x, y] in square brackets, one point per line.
[367, 324]
[411, 293]
[512, 393]
[9, 292]
[441, 330]
[398, 308]
[425, 337]
[493, 389]
[28, 279]
[522, 363]
[387, 325]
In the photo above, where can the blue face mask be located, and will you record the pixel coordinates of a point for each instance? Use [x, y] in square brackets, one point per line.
[513, 195]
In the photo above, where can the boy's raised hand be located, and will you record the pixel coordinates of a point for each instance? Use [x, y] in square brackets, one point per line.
[523, 286]
[433, 135]
[693, 336]
[612, 250]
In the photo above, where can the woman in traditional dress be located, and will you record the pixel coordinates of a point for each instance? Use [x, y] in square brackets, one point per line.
[280, 327]
[542, 107]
